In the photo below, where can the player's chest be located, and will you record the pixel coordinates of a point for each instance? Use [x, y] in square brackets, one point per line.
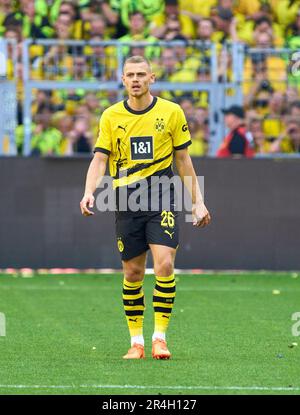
[141, 136]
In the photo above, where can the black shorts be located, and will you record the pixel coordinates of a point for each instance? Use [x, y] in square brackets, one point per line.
[136, 232]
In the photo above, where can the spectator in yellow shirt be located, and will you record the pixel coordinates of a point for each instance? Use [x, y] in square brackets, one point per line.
[46, 139]
[158, 25]
[69, 8]
[139, 32]
[186, 56]
[199, 144]
[150, 9]
[273, 124]
[33, 24]
[80, 72]
[293, 33]
[102, 59]
[270, 67]
[170, 70]
[41, 99]
[13, 33]
[205, 30]
[57, 61]
[225, 23]
[286, 11]
[265, 25]
[64, 123]
[187, 105]
[195, 11]
[255, 129]
[169, 29]
[289, 141]
[168, 64]
[257, 86]
[96, 27]
[255, 9]
[248, 8]
[103, 9]
[248, 22]
[6, 8]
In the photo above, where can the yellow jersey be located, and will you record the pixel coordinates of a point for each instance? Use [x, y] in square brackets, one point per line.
[141, 143]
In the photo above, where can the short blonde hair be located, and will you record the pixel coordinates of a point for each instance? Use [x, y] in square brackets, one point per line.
[137, 59]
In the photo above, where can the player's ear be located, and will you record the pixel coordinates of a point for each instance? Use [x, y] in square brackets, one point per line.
[123, 81]
[152, 79]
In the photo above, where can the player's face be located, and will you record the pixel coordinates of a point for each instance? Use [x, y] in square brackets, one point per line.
[137, 78]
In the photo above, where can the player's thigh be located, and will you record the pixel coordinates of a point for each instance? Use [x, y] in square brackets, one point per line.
[162, 232]
[131, 236]
[163, 229]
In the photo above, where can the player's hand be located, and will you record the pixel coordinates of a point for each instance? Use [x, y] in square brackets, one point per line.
[87, 203]
[201, 216]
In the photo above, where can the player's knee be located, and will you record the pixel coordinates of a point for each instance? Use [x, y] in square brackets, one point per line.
[165, 267]
[134, 273]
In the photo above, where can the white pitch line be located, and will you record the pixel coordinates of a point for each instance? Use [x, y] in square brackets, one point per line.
[143, 387]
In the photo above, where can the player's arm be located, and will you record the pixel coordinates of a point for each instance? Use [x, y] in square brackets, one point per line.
[185, 168]
[94, 176]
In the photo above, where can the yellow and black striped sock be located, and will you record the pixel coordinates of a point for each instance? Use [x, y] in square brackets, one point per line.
[134, 306]
[163, 300]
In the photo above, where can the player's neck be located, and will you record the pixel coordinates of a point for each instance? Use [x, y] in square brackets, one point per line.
[140, 103]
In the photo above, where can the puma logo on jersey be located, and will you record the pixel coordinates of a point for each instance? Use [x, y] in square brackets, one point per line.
[169, 233]
[122, 128]
[165, 316]
[133, 319]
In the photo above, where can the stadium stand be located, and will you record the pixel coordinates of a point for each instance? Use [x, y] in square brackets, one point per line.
[82, 41]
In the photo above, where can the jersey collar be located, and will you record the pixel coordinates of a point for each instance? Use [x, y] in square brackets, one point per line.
[140, 112]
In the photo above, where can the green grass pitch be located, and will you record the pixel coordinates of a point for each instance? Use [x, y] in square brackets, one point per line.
[229, 334]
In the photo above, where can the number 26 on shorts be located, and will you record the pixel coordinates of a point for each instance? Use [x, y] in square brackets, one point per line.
[168, 219]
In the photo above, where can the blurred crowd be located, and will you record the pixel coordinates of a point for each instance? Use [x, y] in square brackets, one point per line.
[65, 121]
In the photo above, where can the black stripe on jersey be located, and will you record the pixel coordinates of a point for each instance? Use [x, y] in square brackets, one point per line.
[134, 312]
[101, 150]
[165, 289]
[166, 300]
[139, 167]
[182, 146]
[137, 301]
[163, 310]
[154, 101]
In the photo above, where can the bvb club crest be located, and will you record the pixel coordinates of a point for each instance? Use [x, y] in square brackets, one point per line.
[159, 125]
[120, 245]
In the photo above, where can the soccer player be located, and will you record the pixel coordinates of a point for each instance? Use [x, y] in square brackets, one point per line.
[139, 137]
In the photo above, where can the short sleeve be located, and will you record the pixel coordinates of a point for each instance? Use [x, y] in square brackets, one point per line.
[180, 131]
[103, 143]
